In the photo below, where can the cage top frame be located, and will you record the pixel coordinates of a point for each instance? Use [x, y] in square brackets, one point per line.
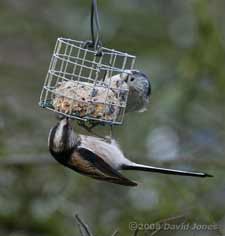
[105, 50]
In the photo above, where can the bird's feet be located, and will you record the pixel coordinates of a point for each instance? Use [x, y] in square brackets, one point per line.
[89, 126]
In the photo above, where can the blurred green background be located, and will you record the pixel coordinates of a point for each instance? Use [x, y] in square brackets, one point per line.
[181, 46]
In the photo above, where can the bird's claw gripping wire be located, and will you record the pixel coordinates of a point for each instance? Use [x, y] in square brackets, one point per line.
[90, 126]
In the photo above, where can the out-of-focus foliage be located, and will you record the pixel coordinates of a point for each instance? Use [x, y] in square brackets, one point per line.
[181, 45]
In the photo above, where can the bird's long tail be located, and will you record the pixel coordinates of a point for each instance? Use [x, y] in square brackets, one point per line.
[134, 166]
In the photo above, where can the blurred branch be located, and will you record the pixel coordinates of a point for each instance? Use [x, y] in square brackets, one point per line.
[116, 233]
[170, 219]
[47, 160]
[136, 232]
[84, 230]
[20, 161]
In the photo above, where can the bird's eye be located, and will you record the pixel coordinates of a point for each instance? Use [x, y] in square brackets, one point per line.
[132, 79]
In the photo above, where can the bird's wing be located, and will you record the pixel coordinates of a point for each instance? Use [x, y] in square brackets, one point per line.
[108, 151]
[88, 163]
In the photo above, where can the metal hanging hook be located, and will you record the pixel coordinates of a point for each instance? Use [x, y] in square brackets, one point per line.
[96, 41]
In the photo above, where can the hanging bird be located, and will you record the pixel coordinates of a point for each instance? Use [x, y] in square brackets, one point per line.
[139, 90]
[96, 158]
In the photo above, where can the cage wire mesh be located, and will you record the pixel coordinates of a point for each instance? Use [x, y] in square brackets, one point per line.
[86, 86]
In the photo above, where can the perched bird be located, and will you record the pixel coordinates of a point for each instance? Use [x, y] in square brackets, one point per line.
[139, 90]
[117, 81]
[138, 85]
[119, 87]
[96, 158]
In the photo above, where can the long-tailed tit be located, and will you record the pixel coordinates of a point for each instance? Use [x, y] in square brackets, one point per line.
[139, 87]
[96, 158]
[139, 90]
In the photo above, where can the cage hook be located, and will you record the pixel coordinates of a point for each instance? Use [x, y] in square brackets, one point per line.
[95, 41]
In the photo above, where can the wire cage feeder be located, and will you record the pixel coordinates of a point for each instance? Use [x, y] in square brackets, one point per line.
[85, 85]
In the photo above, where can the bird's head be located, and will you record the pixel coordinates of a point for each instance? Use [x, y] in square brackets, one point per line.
[137, 80]
[62, 137]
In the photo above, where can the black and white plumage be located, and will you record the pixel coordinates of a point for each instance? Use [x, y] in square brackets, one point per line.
[139, 90]
[97, 158]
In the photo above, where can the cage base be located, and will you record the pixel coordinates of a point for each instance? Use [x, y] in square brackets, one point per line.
[47, 105]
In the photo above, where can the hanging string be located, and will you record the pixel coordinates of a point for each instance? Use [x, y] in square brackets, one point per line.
[95, 22]
[96, 42]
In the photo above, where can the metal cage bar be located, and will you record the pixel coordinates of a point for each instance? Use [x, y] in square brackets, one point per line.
[83, 86]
